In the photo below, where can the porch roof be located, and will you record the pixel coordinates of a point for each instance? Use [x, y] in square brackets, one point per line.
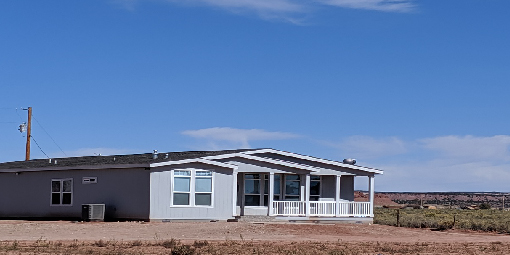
[252, 154]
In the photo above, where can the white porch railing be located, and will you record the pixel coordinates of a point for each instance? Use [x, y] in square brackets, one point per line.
[289, 208]
[322, 208]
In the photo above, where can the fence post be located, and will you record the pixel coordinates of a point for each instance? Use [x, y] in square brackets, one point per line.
[398, 217]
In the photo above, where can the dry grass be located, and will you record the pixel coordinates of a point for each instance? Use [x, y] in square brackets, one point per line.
[175, 247]
[478, 220]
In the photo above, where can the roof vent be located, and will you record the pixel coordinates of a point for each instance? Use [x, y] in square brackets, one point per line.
[155, 154]
[349, 161]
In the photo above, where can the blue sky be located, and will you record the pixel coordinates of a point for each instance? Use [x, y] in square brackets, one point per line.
[417, 88]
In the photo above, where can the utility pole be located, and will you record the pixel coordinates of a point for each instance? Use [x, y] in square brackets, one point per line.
[29, 133]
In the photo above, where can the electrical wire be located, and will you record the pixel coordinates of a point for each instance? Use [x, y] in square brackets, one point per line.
[18, 114]
[48, 135]
[39, 146]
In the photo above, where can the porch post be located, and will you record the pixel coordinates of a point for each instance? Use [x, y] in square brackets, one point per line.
[371, 194]
[337, 196]
[234, 194]
[271, 194]
[307, 195]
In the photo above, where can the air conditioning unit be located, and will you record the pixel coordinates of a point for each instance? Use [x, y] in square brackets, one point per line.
[92, 212]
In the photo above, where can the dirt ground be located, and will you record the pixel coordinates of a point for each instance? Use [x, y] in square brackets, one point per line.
[223, 231]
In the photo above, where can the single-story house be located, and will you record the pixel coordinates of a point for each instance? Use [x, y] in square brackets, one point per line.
[191, 185]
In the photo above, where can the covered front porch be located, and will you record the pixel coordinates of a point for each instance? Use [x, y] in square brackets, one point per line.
[301, 195]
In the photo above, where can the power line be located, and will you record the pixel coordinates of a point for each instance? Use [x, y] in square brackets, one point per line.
[48, 134]
[18, 114]
[38, 146]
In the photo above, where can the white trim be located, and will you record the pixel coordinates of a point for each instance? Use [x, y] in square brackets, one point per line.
[192, 192]
[307, 194]
[271, 194]
[325, 161]
[267, 160]
[234, 194]
[337, 194]
[194, 160]
[371, 195]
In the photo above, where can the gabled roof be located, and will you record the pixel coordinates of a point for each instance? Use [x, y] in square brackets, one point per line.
[252, 154]
[171, 158]
[141, 160]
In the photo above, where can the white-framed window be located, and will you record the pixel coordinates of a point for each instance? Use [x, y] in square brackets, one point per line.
[315, 187]
[276, 188]
[252, 189]
[192, 187]
[61, 192]
[292, 187]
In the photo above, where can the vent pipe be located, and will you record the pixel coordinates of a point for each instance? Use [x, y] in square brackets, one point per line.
[349, 161]
[155, 154]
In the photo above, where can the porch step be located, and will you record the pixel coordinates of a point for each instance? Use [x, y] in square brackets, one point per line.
[256, 218]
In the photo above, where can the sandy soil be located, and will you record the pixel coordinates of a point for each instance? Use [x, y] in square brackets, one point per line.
[221, 231]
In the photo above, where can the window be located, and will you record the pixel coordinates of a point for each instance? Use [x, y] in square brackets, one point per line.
[315, 187]
[61, 192]
[257, 184]
[292, 187]
[203, 188]
[277, 185]
[192, 188]
[276, 188]
[252, 189]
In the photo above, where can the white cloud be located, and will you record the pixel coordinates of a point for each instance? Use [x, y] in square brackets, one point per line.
[292, 11]
[284, 6]
[446, 163]
[377, 5]
[470, 148]
[221, 137]
[368, 147]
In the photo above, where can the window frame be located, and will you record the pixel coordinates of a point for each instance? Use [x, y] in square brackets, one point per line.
[298, 180]
[192, 187]
[61, 192]
[318, 196]
[260, 193]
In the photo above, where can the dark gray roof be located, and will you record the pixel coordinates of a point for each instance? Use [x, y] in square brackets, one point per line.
[136, 159]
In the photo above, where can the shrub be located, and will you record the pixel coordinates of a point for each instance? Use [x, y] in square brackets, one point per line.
[485, 206]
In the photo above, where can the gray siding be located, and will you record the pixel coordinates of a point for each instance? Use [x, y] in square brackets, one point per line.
[347, 188]
[160, 206]
[124, 191]
[251, 166]
[328, 186]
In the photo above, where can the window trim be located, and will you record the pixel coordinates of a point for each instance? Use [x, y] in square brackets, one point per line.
[61, 192]
[285, 195]
[320, 188]
[192, 189]
[260, 194]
